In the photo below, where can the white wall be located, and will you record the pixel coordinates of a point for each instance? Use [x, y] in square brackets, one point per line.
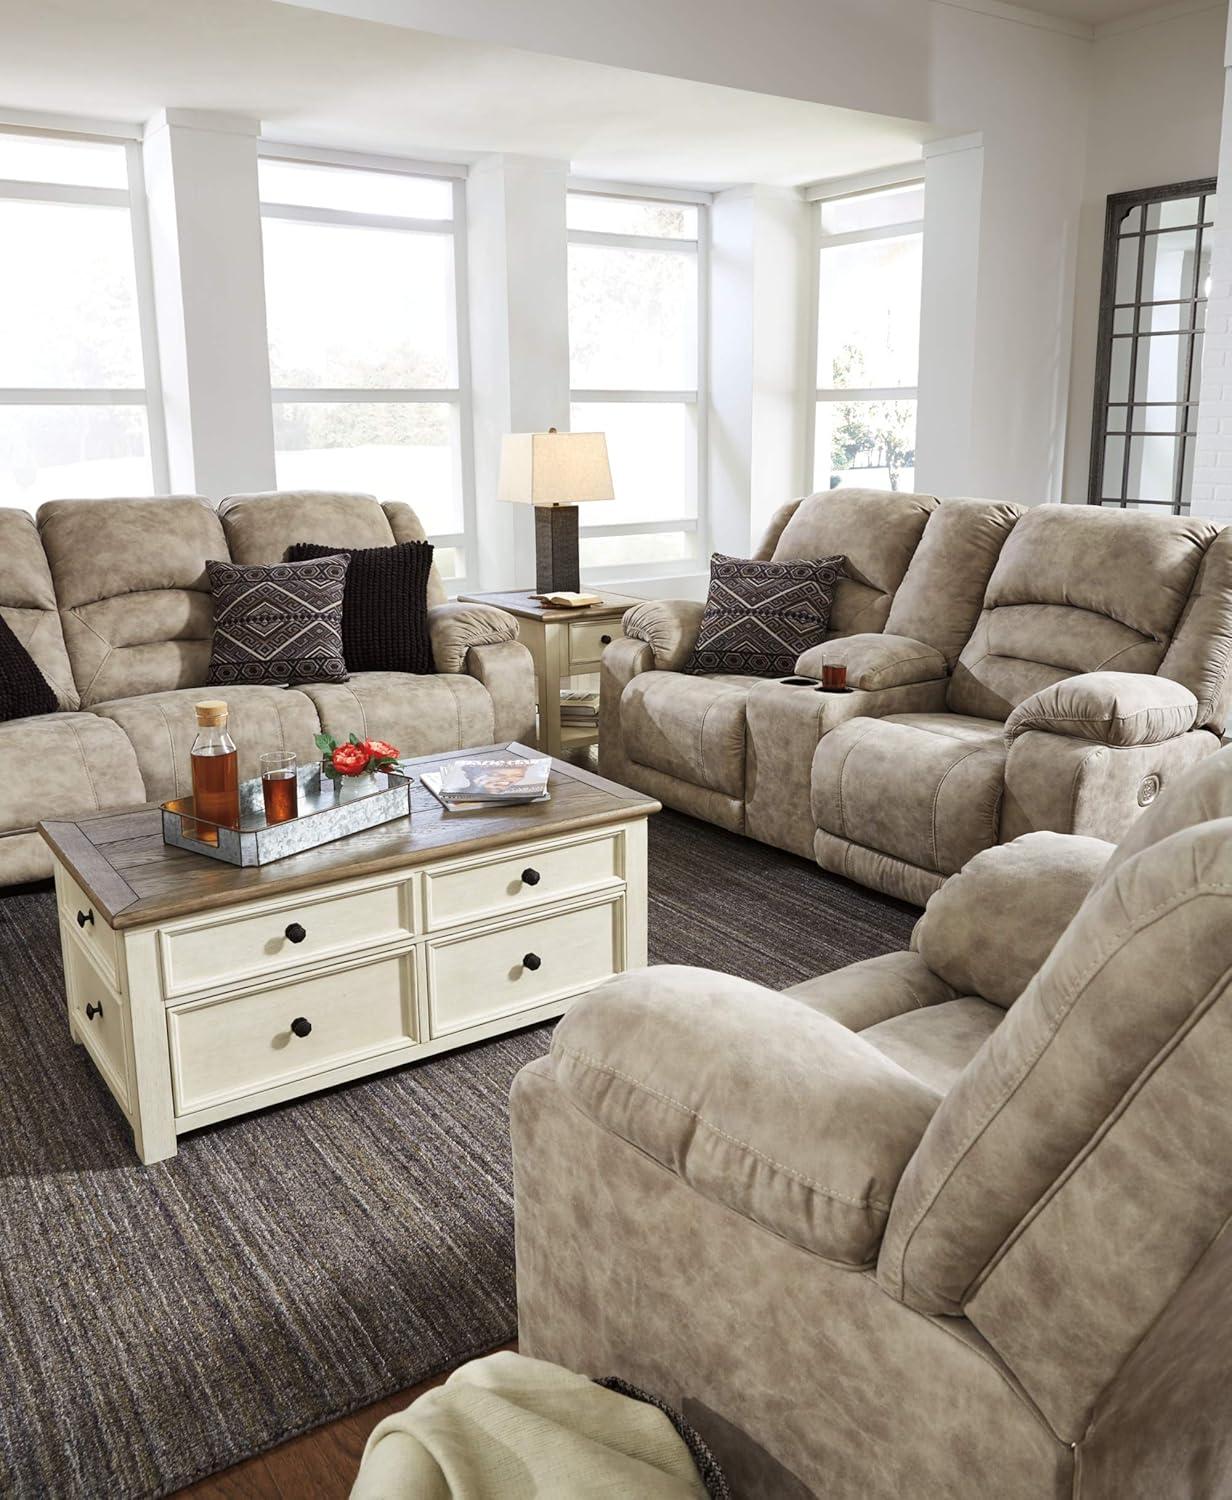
[1156, 103]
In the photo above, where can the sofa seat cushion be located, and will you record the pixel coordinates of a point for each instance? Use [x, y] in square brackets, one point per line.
[689, 727]
[64, 766]
[935, 1044]
[420, 715]
[162, 727]
[922, 788]
[874, 990]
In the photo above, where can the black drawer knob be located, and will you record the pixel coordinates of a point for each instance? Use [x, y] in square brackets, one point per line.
[295, 933]
[531, 961]
[300, 1026]
[605, 640]
[85, 916]
[531, 876]
[94, 1010]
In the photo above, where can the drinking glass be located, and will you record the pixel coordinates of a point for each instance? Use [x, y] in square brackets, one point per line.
[833, 674]
[279, 786]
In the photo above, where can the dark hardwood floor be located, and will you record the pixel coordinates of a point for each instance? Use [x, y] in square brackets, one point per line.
[320, 1465]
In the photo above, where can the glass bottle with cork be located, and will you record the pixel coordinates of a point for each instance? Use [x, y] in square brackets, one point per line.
[215, 773]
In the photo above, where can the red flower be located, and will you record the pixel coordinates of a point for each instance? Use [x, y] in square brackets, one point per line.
[381, 749]
[349, 760]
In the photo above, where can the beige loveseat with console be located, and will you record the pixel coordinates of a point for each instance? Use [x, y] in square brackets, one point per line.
[112, 601]
[1014, 669]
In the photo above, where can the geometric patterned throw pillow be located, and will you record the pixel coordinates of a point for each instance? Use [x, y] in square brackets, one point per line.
[760, 616]
[277, 622]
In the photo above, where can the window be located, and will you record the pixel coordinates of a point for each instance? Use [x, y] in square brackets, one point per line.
[1152, 313]
[365, 307]
[637, 371]
[79, 410]
[868, 338]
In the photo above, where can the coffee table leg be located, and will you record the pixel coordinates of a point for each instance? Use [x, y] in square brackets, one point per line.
[153, 1109]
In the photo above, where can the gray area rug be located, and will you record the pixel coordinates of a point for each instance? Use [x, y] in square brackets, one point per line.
[158, 1324]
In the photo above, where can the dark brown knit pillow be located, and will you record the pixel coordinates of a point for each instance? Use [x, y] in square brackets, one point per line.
[385, 606]
[760, 616]
[24, 691]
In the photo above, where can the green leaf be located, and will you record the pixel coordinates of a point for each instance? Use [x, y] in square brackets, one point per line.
[355, 740]
[325, 743]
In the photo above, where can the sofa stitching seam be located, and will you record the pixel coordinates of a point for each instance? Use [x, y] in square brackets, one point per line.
[81, 750]
[175, 773]
[107, 655]
[457, 707]
[827, 1192]
[962, 760]
[842, 773]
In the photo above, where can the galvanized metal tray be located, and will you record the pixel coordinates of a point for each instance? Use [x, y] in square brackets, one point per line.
[327, 811]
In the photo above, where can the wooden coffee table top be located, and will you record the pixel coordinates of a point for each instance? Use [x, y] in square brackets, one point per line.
[133, 878]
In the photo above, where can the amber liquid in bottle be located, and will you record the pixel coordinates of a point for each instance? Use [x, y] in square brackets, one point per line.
[215, 774]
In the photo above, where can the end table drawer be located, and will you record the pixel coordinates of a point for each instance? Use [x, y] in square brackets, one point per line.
[526, 878]
[214, 952]
[226, 1049]
[98, 1019]
[78, 914]
[588, 639]
[522, 965]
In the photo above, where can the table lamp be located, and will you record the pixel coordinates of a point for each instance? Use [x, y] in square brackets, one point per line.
[555, 472]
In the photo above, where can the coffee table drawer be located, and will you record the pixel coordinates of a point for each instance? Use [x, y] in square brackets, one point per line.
[226, 1049]
[80, 917]
[212, 952]
[588, 639]
[495, 887]
[522, 965]
[99, 1021]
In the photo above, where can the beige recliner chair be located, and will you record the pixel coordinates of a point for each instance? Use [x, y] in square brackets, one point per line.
[947, 1223]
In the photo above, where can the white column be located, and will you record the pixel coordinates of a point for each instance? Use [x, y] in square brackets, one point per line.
[209, 296]
[1212, 472]
[519, 306]
[761, 379]
[953, 178]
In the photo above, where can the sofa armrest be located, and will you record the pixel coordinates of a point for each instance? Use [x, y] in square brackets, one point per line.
[669, 627]
[990, 927]
[752, 1099]
[877, 661]
[456, 627]
[507, 670]
[1110, 708]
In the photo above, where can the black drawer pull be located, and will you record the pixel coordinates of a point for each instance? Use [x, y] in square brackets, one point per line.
[531, 876]
[300, 1026]
[605, 640]
[531, 961]
[94, 1010]
[296, 934]
[85, 916]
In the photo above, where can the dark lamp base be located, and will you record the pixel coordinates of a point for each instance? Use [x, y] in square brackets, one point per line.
[556, 549]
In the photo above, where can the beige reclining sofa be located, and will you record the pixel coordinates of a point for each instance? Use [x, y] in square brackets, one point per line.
[111, 599]
[954, 1222]
[1014, 669]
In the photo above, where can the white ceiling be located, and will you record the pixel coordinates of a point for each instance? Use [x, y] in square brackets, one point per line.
[1089, 12]
[328, 80]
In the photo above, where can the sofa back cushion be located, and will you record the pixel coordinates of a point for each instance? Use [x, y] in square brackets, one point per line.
[940, 599]
[132, 590]
[1200, 654]
[1077, 589]
[260, 527]
[28, 603]
[876, 531]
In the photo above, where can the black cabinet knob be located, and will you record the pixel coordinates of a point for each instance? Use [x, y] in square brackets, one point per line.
[605, 640]
[300, 1026]
[531, 961]
[295, 933]
[531, 876]
[94, 1010]
[85, 916]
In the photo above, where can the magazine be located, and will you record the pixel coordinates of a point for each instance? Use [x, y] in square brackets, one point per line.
[496, 778]
[432, 780]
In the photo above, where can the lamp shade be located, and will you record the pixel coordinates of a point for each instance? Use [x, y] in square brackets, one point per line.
[554, 468]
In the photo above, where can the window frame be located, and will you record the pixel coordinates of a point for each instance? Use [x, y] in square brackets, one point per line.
[1119, 205]
[835, 395]
[697, 526]
[132, 198]
[460, 395]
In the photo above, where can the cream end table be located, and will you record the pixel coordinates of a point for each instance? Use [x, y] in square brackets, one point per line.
[564, 643]
[203, 991]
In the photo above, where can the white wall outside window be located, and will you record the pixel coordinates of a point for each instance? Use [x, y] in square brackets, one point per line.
[637, 346]
[80, 407]
[365, 289]
[868, 263]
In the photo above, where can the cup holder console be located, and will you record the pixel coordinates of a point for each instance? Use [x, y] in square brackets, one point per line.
[798, 681]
